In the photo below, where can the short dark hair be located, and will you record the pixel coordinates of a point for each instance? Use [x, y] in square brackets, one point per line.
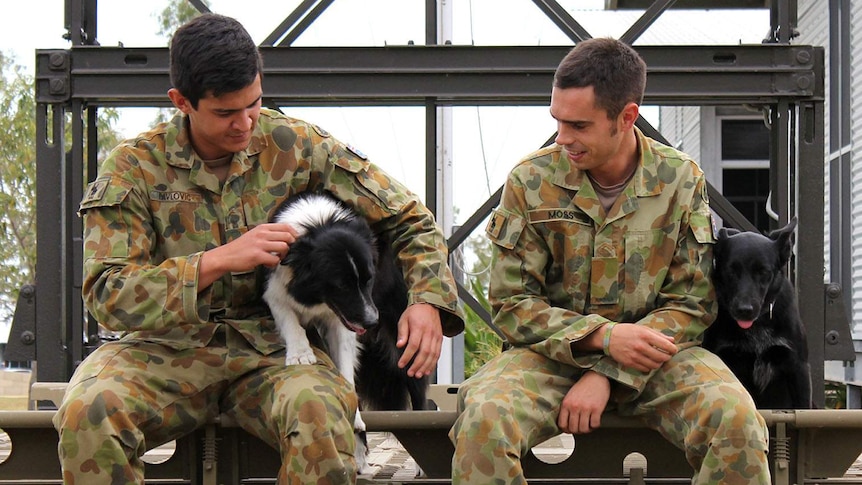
[213, 54]
[614, 69]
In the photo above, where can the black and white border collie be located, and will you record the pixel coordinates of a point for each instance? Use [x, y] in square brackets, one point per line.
[339, 280]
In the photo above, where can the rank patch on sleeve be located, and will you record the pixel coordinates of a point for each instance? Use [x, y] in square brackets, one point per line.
[320, 131]
[495, 224]
[96, 190]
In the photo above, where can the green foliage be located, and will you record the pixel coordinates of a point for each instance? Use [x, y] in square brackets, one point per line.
[176, 13]
[836, 395]
[480, 342]
[17, 182]
[18, 177]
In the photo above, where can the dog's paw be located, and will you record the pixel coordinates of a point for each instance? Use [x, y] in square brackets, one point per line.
[300, 358]
[360, 454]
[358, 423]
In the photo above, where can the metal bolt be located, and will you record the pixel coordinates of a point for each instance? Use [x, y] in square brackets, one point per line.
[803, 57]
[832, 337]
[28, 338]
[833, 291]
[57, 60]
[56, 86]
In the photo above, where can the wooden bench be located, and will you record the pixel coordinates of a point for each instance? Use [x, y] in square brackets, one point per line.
[806, 445]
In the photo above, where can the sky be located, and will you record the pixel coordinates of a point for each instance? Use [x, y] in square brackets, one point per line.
[486, 141]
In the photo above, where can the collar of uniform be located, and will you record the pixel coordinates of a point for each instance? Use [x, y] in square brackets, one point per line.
[645, 179]
[565, 175]
[178, 147]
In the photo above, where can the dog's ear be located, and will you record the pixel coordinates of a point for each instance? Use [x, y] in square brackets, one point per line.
[726, 232]
[784, 240]
[299, 252]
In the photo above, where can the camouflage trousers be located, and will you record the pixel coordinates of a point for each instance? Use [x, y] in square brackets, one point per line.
[694, 401]
[131, 396]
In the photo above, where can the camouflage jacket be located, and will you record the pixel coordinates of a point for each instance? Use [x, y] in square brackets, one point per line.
[562, 267]
[153, 210]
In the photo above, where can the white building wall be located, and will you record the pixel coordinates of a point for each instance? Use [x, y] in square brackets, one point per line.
[856, 166]
[814, 30]
[681, 126]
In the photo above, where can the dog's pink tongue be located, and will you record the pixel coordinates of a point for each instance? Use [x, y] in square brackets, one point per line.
[745, 324]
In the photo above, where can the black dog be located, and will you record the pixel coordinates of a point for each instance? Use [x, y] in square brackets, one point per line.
[341, 283]
[380, 383]
[758, 332]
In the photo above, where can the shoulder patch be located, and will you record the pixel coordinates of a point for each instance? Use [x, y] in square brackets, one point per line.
[703, 227]
[356, 152]
[504, 228]
[495, 224]
[320, 131]
[96, 190]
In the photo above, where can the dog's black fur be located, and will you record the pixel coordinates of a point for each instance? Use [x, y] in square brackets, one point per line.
[320, 263]
[380, 383]
[758, 332]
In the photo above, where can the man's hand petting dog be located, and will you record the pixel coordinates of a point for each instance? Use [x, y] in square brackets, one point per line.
[264, 245]
[420, 333]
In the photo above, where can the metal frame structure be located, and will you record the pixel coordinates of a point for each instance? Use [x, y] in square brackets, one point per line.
[785, 80]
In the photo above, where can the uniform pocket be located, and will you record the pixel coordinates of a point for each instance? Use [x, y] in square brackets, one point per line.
[649, 254]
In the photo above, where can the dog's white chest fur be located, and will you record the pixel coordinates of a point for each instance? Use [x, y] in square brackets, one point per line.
[291, 316]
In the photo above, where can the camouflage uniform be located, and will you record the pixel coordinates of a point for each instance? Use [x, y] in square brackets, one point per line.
[189, 353]
[562, 269]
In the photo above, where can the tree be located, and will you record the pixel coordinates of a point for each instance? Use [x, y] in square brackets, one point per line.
[481, 343]
[17, 183]
[176, 13]
[18, 177]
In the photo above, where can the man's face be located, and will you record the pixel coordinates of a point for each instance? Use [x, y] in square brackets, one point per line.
[222, 125]
[590, 140]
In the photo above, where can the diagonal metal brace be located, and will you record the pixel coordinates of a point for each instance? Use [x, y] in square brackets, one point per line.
[22, 337]
[837, 338]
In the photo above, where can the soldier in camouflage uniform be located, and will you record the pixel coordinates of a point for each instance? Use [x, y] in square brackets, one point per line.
[601, 283]
[176, 236]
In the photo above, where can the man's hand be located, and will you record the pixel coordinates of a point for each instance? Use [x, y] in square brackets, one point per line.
[421, 334]
[639, 347]
[582, 408]
[266, 245]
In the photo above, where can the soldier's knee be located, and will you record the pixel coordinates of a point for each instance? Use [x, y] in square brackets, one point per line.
[489, 420]
[316, 402]
[738, 415]
[81, 406]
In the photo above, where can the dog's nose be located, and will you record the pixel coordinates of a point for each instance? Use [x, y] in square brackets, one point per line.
[745, 310]
[371, 316]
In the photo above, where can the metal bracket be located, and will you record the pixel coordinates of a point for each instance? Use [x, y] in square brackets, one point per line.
[22, 337]
[53, 76]
[781, 455]
[837, 338]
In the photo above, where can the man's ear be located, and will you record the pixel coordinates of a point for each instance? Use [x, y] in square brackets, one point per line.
[181, 102]
[629, 115]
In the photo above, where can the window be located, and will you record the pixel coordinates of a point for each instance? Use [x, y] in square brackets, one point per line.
[745, 167]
